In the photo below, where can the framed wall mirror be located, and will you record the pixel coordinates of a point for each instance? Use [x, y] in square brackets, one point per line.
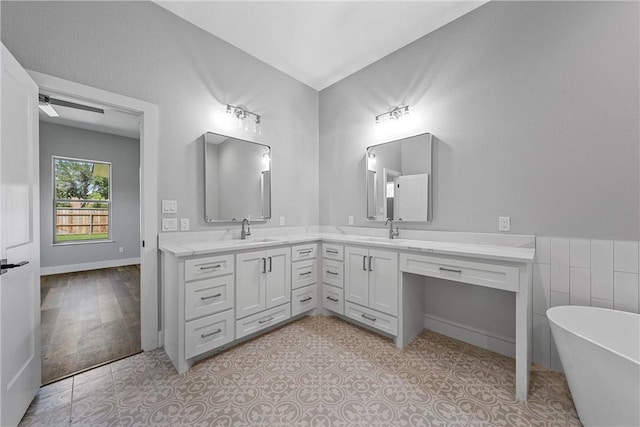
[399, 180]
[237, 179]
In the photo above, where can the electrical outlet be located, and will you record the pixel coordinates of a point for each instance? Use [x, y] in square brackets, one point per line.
[281, 220]
[121, 249]
[504, 223]
[350, 219]
[169, 224]
[184, 224]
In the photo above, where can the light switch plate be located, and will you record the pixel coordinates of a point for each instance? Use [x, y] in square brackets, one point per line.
[184, 224]
[169, 206]
[281, 220]
[504, 223]
[169, 224]
[350, 220]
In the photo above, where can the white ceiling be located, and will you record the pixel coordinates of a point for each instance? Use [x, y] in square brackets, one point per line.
[319, 42]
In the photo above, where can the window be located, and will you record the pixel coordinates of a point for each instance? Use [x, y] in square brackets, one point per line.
[82, 200]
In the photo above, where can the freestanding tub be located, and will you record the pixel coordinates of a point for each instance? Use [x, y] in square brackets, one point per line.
[600, 353]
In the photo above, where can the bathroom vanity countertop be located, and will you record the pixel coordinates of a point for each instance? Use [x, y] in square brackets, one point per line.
[473, 250]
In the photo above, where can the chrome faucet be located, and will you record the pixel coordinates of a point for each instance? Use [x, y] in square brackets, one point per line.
[392, 233]
[244, 233]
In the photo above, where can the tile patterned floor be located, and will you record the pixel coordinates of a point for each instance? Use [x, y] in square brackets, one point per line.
[317, 371]
[88, 318]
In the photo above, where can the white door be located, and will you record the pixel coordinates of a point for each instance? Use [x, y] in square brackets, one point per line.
[383, 281]
[251, 270]
[278, 277]
[356, 275]
[19, 242]
[413, 197]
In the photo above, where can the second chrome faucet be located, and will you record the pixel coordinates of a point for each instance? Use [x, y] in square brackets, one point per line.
[244, 233]
[392, 233]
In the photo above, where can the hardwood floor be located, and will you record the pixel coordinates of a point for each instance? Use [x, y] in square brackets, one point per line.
[88, 318]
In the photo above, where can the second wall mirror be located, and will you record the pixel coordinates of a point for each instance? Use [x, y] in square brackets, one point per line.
[399, 180]
[237, 179]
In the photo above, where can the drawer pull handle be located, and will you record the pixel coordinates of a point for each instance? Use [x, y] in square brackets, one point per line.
[331, 251]
[333, 299]
[210, 333]
[308, 251]
[373, 319]
[211, 296]
[450, 270]
[306, 299]
[265, 320]
[210, 267]
[332, 272]
[305, 274]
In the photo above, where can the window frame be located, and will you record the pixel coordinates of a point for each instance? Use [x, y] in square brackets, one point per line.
[108, 239]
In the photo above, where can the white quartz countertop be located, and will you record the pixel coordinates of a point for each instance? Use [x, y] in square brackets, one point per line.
[473, 250]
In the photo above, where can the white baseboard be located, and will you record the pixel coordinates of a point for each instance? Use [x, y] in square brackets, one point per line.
[490, 341]
[71, 268]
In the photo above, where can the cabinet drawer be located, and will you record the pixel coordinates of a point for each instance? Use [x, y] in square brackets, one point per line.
[375, 319]
[303, 299]
[333, 298]
[304, 273]
[262, 320]
[333, 251]
[333, 272]
[489, 275]
[304, 252]
[208, 333]
[202, 268]
[209, 296]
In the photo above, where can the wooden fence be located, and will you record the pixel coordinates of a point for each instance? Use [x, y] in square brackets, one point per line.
[82, 221]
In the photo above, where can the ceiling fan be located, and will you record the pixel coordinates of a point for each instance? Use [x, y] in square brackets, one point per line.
[46, 103]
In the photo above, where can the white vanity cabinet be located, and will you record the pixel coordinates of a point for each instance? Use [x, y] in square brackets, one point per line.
[263, 281]
[304, 272]
[199, 295]
[371, 287]
[333, 277]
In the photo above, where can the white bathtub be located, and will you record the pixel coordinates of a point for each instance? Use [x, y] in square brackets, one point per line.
[600, 354]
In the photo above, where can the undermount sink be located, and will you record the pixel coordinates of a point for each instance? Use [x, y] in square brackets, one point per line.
[259, 240]
[377, 239]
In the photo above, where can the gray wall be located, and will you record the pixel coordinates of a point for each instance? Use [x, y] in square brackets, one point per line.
[124, 155]
[139, 49]
[535, 109]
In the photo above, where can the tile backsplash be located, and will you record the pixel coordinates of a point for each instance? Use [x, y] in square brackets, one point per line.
[599, 273]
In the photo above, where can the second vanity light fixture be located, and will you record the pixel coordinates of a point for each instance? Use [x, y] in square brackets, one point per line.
[395, 114]
[242, 115]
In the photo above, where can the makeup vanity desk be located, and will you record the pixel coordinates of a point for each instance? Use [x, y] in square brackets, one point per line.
[477, 259]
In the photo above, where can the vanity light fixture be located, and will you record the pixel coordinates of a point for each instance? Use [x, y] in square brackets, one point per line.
[242, 115]
[395, 114]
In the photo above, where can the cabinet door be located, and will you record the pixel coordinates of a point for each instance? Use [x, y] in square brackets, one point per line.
[356, 275]
[278, 285]
[383, 281]
[250, 283]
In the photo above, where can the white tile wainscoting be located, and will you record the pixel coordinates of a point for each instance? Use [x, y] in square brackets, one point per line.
[599, 273]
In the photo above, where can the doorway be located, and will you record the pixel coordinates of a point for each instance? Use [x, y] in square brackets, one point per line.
[89, 219]
[147, 217]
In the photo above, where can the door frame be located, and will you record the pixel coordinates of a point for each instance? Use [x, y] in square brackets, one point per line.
[149, 292]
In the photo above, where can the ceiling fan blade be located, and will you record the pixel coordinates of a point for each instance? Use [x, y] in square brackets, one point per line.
[74, 105]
